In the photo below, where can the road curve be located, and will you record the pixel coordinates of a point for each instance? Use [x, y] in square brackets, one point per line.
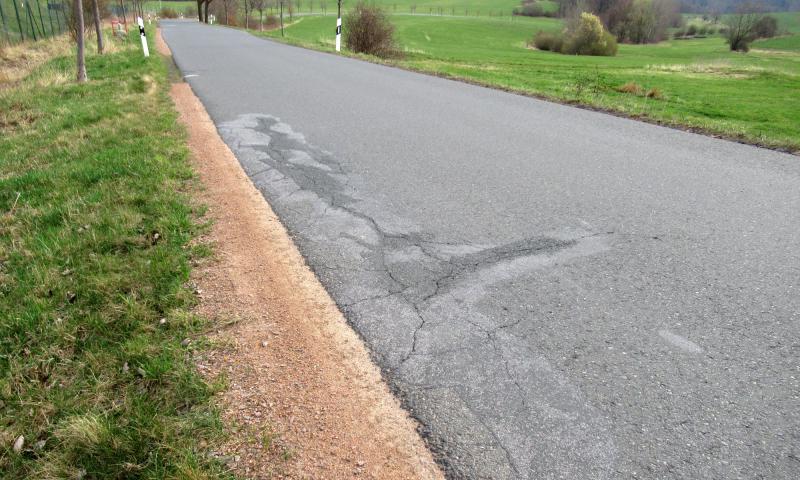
[552, 292]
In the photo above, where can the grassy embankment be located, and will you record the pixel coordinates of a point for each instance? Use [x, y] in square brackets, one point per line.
[699, 83]
[96, 333]
[448, 7]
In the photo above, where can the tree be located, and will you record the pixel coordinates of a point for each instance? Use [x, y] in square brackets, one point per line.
[742, 26]
[639, 21]
[246, 15]
[81, 61]
[258, 5]
[206, 4]
[98, 26]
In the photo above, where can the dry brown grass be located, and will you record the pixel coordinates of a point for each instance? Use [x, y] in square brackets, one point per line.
[18, 61]
[632, 88]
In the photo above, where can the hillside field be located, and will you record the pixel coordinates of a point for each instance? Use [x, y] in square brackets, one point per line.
[695, 83]
[448, 7]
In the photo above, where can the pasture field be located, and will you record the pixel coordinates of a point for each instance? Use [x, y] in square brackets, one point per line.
[426, 7]
[697, 83]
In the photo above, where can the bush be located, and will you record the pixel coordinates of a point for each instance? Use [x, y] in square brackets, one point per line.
[367, 30]
[584, 35]
[547, 41]
[679, 34]
[640, 21]
[587, 36]
[532, 9]
[272, 21]
[167, 12]
[691, 30]
[766, 27]
[746, 26]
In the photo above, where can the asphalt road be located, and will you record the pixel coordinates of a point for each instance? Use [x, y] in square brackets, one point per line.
[553, 292]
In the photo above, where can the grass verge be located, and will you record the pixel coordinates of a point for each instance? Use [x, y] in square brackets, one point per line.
[97, 337]
[697, 84]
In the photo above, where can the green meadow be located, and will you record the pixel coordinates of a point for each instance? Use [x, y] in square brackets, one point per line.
[445, 7]
[696, 83]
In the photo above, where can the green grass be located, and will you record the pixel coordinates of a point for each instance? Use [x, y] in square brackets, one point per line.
[701, 84]
[449, 7]
[95, 231]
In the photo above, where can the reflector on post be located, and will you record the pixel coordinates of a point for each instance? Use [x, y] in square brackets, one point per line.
[143, 36]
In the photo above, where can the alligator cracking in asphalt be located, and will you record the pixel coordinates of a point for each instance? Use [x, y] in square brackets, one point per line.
[432, 292]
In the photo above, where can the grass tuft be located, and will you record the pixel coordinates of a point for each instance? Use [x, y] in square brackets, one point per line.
[632, 88]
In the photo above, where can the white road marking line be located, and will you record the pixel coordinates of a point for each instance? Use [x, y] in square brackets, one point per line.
[680, 342]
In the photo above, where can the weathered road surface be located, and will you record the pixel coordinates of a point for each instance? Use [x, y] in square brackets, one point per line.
[553, 292]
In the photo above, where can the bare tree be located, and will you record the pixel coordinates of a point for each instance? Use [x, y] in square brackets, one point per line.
[81, 63]
[228, 8]
[98, 26]
[247, 9]
[742, 26]
[258, 5]
[205, 13]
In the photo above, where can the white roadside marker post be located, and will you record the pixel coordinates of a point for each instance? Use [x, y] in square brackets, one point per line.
[143, 36]
[339, 28]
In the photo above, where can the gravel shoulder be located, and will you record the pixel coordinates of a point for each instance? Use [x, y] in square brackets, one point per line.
[303, 398]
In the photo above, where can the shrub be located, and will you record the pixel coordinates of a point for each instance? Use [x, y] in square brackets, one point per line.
[746, 26]
[640, 21]
[691, 30]
[679, 34]
[532, 9]
[272, 21]
[587, 36]
[766, 27]
[167, 12]
[367, 30]
[584, 35]
[551, 42]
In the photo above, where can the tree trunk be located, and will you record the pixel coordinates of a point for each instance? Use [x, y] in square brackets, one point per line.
[261, 20]
[79, 27]
[200, 11]
[98, 26]
[205, 13]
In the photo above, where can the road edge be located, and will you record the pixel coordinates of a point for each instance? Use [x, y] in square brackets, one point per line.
[304, 396]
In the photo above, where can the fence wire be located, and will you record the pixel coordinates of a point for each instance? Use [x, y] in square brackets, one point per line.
[22, 20]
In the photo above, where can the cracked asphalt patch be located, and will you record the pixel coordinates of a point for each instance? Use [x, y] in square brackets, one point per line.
[431, 292]
[552, 292]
